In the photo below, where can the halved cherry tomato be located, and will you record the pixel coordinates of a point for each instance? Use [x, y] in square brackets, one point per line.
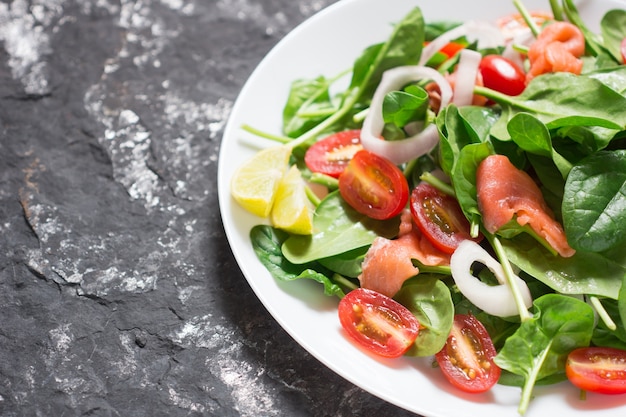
[374, 186]
[439, 217]
[623, 50]
[466, 360]
[377, 322]
[331, 155]
[597, 369]
[501, 74]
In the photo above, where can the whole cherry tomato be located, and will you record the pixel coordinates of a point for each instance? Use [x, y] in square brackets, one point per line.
[502, 75]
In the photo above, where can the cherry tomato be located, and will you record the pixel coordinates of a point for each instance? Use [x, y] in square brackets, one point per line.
[439, 217]
[501, 74]
[374, 186]
[378, 323]
[450, 49]
[597, 369]
[331, 155]
[623, 49]
[466, 360]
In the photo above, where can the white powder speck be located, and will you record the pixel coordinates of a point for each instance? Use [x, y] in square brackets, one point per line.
[244, 380]
[61, 337]
[126, 364]
[22, 29]
[185, 403]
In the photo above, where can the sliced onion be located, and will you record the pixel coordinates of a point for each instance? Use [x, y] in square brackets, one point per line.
[466, 74]
[485, 34]
[404, 150]
[524, 38]
[497, 300]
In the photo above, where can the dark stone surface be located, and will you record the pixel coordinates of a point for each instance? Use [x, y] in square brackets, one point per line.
[119, 295]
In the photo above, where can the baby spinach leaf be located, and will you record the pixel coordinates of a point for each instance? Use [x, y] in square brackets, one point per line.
[614, 78]
[540, 346]
[310, 97]
[430, 301]
[464, 177]
[403, 107]
[347, 263]
[455, 135]
[532, 136]
[613, 29]
[478, 121]
[338, 228]
[266, 242]
[584, 273]
[403, 47]
[563, 99]
[594, 202]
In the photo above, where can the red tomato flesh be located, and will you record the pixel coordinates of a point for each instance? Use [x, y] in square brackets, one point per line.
[597, 369]
[374, 186]
[440, 218]
[378, 323]
[466, 360]
[331, 155]
[502, 74]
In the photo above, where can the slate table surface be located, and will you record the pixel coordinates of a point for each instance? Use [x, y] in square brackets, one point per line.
[119, 294]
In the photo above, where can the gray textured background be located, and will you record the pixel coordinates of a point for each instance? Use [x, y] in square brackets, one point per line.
[119, 295]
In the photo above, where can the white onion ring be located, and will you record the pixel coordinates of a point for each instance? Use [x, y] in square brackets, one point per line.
[524, 38]
[404, 150]
[466, 77]
[486, 34]
[497, 300]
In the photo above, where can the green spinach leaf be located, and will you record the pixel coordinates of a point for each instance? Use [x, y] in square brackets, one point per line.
[563, 99]
[584, 273]
[403, 107]
[337, 228]
[540, 346]
[266, 242]
[613, 29]
[594, 202]
[430, 301]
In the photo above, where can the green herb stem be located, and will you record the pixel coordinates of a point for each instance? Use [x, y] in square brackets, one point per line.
[527, 390]
[522, 49]
[441, 269]
[602, 313]
[557, 10]
[313, 198]
[326, 180]
[345, 282]
[510, 278]
[262, 134]
[527, 17]
[351, 99]
[437, 183]
[360, 116]
[319, 113]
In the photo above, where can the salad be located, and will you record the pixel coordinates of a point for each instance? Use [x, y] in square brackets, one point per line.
[452, 101]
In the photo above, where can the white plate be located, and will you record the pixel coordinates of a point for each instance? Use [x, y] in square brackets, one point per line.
[327, 44]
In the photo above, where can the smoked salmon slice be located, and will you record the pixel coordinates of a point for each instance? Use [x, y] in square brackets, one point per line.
[505, 191]
[388, 264]
[557, 49]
